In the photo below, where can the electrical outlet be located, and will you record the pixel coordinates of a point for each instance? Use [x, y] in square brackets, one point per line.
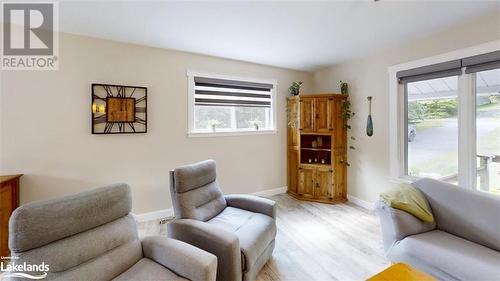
[166, 220]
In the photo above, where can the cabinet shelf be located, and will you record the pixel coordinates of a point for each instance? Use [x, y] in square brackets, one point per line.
[315, 149]
[305, 165]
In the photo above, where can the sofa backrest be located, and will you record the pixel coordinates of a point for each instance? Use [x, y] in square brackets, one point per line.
[195, 192]
[470, 214]
[81, 236]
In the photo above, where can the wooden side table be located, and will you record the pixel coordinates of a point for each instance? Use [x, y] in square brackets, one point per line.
[9, 201]
[401, 272]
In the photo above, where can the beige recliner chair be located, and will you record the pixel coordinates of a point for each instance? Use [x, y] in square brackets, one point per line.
[93, 236]
[238, 229]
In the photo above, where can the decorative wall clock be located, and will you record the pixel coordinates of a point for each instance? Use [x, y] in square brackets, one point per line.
[118, 109]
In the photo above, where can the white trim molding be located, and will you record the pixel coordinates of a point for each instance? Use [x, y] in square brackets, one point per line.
[231, 133]
[370, 206]
[397, 126]
[271, 192]
[467, 131]
[166, 213]
[191, 132]
[155, 215]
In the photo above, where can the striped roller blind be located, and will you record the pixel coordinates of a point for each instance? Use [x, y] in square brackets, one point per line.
[222, 92]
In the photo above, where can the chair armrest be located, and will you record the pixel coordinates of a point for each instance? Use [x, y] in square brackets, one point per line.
[252, 203]
[185, 260]
[397, 224]
[224, 244]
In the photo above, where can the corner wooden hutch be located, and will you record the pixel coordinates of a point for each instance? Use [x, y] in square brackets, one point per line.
[317, 143]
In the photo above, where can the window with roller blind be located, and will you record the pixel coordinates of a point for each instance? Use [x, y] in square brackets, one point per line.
[223, 105]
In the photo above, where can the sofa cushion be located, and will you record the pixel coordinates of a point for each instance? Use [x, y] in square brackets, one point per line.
[79, 249]
[470, 214]
[254, 230]
[447, 257]
[195, 191]
[39, 223]
[195, 175]
[148, 270]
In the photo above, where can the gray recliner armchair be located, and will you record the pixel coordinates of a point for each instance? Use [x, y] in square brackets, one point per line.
[93, 236]
[238, 229]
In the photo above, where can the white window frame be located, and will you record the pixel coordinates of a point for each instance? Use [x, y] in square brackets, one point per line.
[466, 116]
[228, 132]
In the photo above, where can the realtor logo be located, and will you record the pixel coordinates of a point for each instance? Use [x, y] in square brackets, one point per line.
[30, 38]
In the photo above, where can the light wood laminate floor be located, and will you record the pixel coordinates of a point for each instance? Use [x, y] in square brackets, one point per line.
[318, 242]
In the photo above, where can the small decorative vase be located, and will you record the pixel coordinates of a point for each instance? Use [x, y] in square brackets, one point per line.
[314, 144]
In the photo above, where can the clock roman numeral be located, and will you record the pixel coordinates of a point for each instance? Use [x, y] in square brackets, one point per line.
[109, 127]
[133, 91]
[109, 93]
[132, 126]
[140, 100]
[120, 92]
[140, 120]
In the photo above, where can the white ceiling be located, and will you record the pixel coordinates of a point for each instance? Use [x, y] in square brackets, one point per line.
[304, 35]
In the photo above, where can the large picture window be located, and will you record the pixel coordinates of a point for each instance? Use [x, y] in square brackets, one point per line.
[432, 125]
[488, 130]
[451, 128]
[222, 105]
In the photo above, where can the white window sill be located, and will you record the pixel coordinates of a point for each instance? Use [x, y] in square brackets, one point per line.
[198, 134]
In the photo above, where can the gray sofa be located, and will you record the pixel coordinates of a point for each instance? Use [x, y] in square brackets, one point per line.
[238, 229]
[93, 236]
[462, 244]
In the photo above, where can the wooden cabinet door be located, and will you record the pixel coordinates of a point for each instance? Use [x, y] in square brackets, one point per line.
[293, 168]
[293, 123]
[333, 114]
[6, 199]
[306, 182]
[338, 124]
[340, 178]
[306, 114]
[324, 184]
[322, 115]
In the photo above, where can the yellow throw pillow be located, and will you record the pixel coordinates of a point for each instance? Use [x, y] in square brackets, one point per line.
[409, 199]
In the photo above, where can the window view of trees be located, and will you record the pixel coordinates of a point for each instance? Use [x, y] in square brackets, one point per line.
[488, 130]
[231, 117]
[433, 128]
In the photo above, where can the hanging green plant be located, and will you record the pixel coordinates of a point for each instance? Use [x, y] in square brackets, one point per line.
[347, 114]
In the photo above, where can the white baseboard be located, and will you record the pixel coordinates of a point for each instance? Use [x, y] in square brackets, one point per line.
[361, 203]
[165, 213]
[155, 215]
[271, 192]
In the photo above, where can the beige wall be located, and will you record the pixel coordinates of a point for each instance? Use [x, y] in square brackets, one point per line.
[45, 119]
[369, 171]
